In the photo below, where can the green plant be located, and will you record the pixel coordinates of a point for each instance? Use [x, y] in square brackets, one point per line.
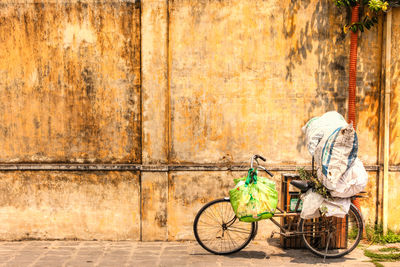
[382, 256]
[377, 264]
[375, 235]
[389, 249]
[352, 233]
[318, 187]
[392, 237]
[371, 10]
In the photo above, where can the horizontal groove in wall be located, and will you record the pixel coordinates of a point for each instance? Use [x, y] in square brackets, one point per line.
[156, 168]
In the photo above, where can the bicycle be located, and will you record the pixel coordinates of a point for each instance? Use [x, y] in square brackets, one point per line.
[219, 231]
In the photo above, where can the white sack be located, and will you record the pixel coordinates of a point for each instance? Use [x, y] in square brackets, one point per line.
[314, 202]
[352, 182]
[337, 207]
[317, 127]
[335, 154]
[311, 204]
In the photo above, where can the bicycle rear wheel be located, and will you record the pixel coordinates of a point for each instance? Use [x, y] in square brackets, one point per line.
[333, 237]
[219, 231]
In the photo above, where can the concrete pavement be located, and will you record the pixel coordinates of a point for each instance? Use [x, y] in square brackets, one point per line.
[126, 253]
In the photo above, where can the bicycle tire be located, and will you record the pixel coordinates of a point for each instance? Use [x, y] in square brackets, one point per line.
[213, 226]
[354, 216]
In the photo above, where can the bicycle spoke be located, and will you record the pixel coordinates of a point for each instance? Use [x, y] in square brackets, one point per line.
[238, 228]
[233, 241]
[224, 209]
[212, 217]
[220, 214]
[212, 214]
[237, 231]
[331, 236]
[238, 235]
[210, 224]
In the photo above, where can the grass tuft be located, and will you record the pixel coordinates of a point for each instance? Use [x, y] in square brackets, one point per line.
[382, 257]
[375, 235]
[377, 264]
[389, 249]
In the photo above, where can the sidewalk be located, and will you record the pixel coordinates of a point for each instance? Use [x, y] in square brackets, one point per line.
[106, 253]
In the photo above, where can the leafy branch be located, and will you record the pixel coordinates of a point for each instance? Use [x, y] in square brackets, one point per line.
[317, 186]
[372, 9]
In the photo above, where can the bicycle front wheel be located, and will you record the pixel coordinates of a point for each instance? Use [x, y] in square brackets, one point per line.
[332, 237]
[219, 231]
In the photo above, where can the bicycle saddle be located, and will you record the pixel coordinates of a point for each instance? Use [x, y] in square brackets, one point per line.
[302, 185]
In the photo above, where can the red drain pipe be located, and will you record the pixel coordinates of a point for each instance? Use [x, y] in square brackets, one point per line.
[352, 77]
[353, 68]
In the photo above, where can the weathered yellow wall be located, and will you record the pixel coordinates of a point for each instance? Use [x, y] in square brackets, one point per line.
[369, 202]
[395, 91]
[70, 205]
[244, 80]
[70, 93]
[245, 77]
[394, 150]
[161, 83]
[394, 201]
[70, 82]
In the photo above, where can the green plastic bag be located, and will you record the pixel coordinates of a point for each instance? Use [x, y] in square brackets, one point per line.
[253, 198]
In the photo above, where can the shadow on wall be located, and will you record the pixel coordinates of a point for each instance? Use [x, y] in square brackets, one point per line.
[331, 74]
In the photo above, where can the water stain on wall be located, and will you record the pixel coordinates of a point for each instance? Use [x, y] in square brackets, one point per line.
[71, 73]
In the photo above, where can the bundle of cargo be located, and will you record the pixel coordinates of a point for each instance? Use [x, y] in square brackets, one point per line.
[334, 145]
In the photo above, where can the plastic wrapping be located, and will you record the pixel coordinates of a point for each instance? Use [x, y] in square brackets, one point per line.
[334, 145]
[314, 205]
[318, 127]
[335, 154]
[352, 182]
[253, 198]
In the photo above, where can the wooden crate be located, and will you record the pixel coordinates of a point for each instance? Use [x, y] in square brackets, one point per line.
[289, 192]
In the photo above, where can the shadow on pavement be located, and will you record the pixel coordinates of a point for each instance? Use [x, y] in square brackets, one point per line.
[241, 254]
[306, 257]
[249, 254]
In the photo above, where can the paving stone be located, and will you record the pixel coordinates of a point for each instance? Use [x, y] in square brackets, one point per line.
[67, 243]
[68, 248]
[18, 263]
[204, 264]
[172, 263]
[48, 263]
[105, 253]
[140, 262]
[79, 264]
[143, 257]
[4, 260]
[90, 253]
[118, 253]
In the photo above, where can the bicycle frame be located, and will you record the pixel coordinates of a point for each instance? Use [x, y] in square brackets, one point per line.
[281, 213]
[284, 214]
[320, 230]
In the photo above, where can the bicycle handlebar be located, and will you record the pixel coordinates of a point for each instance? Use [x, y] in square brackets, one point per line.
[259, 157]
[255, 157]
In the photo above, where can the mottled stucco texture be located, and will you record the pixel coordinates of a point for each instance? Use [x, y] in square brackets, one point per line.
[70, 82]
[394, 150]
[395, 91]
[178, 82]
[70, 205]
[245, 76]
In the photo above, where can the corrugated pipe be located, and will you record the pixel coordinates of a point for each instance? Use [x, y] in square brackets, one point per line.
[353, 76]
[353, 68]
